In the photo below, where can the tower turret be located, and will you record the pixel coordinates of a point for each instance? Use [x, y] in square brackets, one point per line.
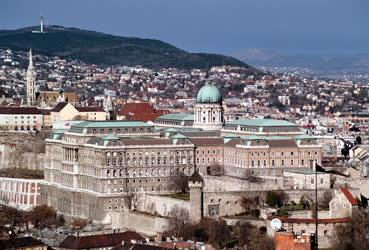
[195, 184]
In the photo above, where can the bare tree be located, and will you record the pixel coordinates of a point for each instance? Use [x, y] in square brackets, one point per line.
[327, 197]
[179, 221]
[79, 223]
[180, 183]
[215, 169]
[352, 235]
[249, 203]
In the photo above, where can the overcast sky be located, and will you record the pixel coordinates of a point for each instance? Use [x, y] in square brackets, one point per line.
[223, 26]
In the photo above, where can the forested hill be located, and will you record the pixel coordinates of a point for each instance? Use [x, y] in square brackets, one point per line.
[99, 48]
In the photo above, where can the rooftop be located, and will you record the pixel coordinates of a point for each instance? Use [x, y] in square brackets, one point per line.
[99, 241]
[349, 196]
[110, 124]
[178, 116]
[262, 123]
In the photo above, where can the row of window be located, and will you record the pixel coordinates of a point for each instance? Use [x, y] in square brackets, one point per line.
[118, 131]
[108, 154]
[154, 161]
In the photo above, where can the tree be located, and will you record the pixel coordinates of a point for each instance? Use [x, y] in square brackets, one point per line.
[260, 241]
[180, 183]
[217, 232]
[79, 223]
[304, 202]
[276, 199]
[249, 204]
[11, 219]
[43, 216]
[179, 222]
[243, 233]
[352, 235]
[327, 197]
[215, 169]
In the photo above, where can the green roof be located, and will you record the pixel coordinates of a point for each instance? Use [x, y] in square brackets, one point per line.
[110, 124]
[304, 137]
[170, 130]
[179, 136]
[178, 116]
[110, 137]
[262, 123]
[209, 94]
[267, 138]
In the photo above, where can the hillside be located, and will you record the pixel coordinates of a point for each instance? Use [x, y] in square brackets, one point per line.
[98, 48]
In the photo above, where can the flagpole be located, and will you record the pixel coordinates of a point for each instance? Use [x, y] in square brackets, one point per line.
[316, 205]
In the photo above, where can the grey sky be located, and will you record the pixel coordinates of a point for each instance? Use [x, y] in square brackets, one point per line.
[224, 26]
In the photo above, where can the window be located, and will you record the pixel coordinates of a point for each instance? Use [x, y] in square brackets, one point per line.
[312, 180]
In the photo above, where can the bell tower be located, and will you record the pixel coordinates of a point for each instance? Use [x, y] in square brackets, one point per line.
[31, 82]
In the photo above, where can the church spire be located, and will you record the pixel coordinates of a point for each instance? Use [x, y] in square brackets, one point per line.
[30, 64]
[31, 82]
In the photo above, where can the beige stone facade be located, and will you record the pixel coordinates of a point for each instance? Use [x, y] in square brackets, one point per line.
[89, 172]
[263, 156]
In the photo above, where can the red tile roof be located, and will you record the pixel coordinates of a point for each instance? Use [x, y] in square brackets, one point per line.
[21, 242]
[141, 111]
[90, 109]
[349, 196]
[178, 244]
[311, 220]
[20, 110]
[99, 241]
[59, 107]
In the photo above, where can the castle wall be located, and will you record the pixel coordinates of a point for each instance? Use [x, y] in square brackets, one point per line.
[160, 205]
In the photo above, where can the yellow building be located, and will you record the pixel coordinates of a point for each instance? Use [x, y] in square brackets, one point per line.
[64, 111]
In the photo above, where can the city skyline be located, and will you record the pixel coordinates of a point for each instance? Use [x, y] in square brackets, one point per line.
[216, 26]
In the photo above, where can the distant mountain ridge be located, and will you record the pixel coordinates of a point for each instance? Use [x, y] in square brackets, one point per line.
[316, 62]
[99, 48]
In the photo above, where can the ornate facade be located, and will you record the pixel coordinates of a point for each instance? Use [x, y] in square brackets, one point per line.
[31, 82]
[208, 110]
[90, 172]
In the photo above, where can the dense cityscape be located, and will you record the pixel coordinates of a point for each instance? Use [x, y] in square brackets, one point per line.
[229, 156]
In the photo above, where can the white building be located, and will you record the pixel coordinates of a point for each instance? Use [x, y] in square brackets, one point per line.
[23, 194]
[20, 119]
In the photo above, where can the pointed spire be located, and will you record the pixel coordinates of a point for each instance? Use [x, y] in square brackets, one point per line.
[30, 64]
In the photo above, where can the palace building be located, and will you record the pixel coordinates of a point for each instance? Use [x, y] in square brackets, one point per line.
[94, 166]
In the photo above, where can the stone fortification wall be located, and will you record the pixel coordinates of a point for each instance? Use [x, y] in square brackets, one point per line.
[230, 184]
[159, 205]
[141, 223]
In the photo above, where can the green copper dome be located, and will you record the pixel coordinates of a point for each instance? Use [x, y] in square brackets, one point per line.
[209, 94]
